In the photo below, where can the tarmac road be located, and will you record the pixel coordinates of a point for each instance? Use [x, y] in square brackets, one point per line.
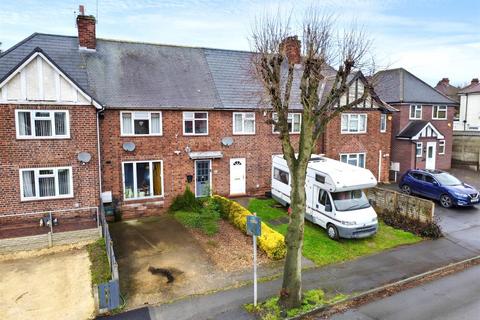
[454, 297]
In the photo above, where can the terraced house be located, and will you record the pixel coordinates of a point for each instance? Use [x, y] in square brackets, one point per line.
[81, 116]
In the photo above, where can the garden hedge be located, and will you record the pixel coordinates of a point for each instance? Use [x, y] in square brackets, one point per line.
[271, 241]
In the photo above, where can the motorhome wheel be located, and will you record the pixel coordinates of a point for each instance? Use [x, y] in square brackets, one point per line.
[332, 232]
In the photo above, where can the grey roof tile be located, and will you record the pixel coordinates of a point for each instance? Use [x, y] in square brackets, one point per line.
[412, 128]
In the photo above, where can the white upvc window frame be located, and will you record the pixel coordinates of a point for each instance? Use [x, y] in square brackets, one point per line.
[290, 117]
[36, 183]
[51, 118]
[349, 119]
[135, 187]
[194, 120]
[136, 115]
[441, 146]
[416, 107]
[438, 107]
[419, 146]
[383, 122]
[355, 155]
[244, 118]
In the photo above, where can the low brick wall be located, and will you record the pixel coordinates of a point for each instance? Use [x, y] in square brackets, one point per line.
[43, 240]
[391, 202]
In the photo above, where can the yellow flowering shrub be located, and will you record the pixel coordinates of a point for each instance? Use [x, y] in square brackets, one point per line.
[271, 241]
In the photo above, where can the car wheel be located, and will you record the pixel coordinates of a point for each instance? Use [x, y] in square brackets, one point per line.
[332, 232]
[446, 201]
[406, 189]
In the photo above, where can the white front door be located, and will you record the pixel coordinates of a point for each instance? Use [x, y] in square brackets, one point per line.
[431, 155]
[237, 176]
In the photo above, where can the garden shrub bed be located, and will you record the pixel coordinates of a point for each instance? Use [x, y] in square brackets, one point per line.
[271, 241]
[99, 268]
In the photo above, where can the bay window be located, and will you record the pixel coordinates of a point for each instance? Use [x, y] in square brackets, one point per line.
[46, 183]
[243, 123]
[354, 123]
[141, 123]
[142, 179]
[42, 124]
[195, 123]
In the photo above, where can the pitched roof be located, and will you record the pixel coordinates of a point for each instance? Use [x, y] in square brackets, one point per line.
[123, 74]
[444, 87]
[473, 87]
[399, 85]
[412, 128]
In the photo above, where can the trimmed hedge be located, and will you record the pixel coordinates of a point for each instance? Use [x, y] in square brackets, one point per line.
[271, 241]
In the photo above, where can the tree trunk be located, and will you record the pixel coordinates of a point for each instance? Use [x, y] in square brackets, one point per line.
[291, 295]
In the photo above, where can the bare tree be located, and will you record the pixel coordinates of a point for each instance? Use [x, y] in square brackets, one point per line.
[321, 46]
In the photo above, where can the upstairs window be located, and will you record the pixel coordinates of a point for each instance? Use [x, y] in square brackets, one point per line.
[141, 123]
[195, 123]
[354, 123]
[354, 159]
[46, 183]
[383, 122]
[294, 122]
[439, 112]
[415, 112]
[42, 124]
[243, 123]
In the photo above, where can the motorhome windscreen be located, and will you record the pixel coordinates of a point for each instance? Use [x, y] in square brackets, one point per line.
[350, 200]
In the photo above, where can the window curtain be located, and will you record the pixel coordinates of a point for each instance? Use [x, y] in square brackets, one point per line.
[60, 123]
[238, 123]
[157, 179]
[127, 123]
[43, 128]
[46, 186]
[25, 126]
[155, 129]
[28, 183]
[64, 181]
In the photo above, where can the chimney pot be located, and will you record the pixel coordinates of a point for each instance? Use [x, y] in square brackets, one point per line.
[446, 80]
[290, 47]
[474, 80]
[86, 30]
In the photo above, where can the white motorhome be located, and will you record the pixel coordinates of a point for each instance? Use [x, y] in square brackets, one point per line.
[335, 197]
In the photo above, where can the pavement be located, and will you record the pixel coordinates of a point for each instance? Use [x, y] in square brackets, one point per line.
[461, 229]
[454, 297]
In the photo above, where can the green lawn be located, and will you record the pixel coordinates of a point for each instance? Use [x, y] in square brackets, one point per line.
[319, 248]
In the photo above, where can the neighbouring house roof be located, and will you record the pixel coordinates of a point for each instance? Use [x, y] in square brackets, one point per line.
[471, 88]
[401, 86]
[444, 87]
[419, 128]
[123, 74]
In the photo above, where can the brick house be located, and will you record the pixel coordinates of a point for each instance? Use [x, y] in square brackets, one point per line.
[422, 129]
[166, 116]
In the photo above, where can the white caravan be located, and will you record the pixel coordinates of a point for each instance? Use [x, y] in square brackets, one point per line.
[335, 197]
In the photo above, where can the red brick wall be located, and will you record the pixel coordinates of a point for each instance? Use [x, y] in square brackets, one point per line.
[17, 154]
[370, 142]
[401, 119]
[256, 149]
[86, 31]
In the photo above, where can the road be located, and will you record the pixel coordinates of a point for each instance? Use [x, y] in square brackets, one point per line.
[454, 297]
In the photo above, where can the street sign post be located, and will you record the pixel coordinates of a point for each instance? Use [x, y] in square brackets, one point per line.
[254, 228]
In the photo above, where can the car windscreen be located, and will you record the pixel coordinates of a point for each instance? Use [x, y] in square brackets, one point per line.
[350, 200]
[447, 179]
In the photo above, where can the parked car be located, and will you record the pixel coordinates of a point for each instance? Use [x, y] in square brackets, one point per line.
[439, 185]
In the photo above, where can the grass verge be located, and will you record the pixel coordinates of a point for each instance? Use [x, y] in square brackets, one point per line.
[312, 299]
[99, 268]
[319, 248]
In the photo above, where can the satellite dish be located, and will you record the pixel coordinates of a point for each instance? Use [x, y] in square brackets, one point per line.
[84, 157]
[129, 146]
[227, 141]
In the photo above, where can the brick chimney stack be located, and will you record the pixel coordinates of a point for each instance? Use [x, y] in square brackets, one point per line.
[474, 81]
[86, 30]
[445, 81]
[290, 46]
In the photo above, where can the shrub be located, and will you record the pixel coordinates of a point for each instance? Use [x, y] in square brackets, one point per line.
[204, 218]
[99, 267]
[271, 241]
[424, 229]
[186, 201]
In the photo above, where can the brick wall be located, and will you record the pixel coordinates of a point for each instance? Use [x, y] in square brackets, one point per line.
[86, 31]
[17, 154]
[369, 143]
[401, 119]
